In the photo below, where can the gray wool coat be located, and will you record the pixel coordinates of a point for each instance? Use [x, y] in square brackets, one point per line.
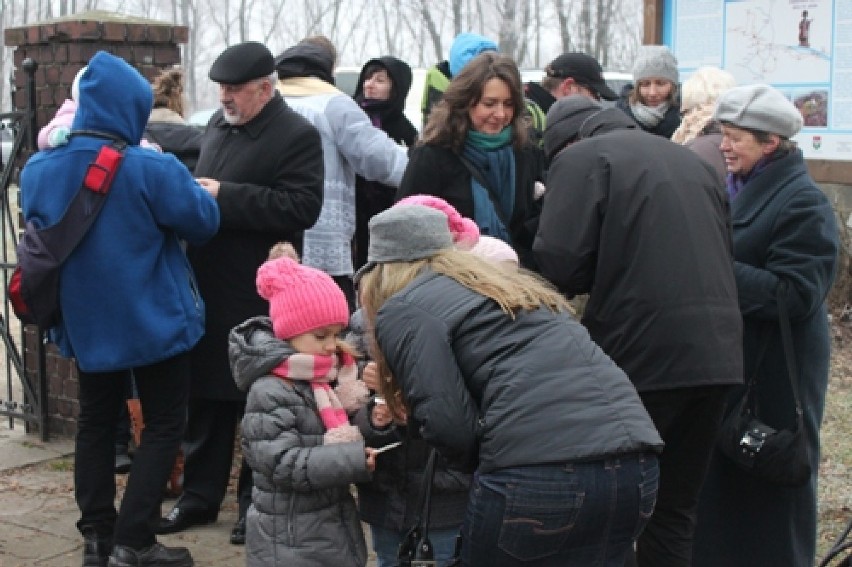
[302, 512]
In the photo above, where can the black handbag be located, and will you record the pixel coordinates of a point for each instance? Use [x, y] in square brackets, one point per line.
[416, 549]
[777, 456]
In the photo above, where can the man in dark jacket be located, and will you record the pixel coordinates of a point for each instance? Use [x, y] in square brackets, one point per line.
[263, 163]
[643, 226]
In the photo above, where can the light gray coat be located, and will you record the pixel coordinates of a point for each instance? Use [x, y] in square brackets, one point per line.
[302, 512]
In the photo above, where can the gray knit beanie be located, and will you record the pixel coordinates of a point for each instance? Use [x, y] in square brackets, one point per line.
[655, 61]
[406, 233]
[759, 107]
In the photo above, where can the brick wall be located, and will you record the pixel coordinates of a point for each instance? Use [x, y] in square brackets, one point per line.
[61, 48]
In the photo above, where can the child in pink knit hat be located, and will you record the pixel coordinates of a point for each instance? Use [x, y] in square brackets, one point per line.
[302, 381]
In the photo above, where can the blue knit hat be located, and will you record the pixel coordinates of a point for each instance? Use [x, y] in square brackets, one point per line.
[465, 47]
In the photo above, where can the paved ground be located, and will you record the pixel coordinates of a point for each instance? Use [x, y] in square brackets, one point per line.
[38, 512]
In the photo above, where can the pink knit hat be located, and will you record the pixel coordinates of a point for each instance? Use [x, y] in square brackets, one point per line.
[464, 230]
[300, 298]
[494, 250]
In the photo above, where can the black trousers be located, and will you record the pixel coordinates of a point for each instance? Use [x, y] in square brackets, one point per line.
[208, 454]
[688, 420]
[163, 392]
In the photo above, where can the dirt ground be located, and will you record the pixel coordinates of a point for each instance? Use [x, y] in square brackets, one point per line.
[835, 488]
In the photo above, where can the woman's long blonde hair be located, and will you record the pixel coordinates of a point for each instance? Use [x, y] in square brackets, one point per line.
[513, 291]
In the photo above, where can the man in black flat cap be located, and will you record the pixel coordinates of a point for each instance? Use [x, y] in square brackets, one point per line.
[263, 163]
[570, 73]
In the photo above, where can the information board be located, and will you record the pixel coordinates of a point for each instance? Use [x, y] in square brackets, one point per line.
[801, 47]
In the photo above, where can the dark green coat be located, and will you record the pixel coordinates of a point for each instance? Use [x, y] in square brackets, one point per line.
[784, 229]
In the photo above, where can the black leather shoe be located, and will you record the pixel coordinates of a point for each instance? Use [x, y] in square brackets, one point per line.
[238, 532]
[181, 518]
[158, 555]
[96, 549]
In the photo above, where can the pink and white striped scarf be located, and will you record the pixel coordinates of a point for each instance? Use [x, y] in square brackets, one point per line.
[319, 370]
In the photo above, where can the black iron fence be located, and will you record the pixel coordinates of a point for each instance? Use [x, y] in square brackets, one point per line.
[24, 397]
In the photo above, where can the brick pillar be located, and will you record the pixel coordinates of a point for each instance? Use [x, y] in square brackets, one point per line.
[61, 47]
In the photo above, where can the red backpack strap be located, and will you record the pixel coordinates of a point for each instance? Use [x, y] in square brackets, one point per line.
[101, 172]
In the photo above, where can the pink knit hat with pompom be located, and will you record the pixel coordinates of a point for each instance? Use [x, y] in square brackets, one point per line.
[301, 298]
[464, 230]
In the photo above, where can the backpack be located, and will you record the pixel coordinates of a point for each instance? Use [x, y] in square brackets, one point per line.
[34, 286]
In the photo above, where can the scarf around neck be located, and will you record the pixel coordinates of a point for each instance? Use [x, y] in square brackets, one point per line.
[494, 159]
[319, 370]
[375, 109]
[649, 116]
[736, 182]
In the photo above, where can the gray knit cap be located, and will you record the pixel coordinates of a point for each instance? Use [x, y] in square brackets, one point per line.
[404, 233]
[655, 61]
[759, 107]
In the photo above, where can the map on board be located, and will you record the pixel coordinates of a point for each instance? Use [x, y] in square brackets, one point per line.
[772, 41]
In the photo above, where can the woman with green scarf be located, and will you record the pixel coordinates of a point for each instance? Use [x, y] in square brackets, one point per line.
[474, 153]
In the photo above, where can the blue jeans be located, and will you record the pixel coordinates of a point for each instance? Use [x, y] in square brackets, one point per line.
[575, 514]
[386, 543]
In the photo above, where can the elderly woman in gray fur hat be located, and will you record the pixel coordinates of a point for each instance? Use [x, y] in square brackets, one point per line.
[784, 233]
[652, 101]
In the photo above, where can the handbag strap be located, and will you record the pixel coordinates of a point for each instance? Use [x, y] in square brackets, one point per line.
[422, 519]
[789, 353]
[62, 237]
[495, 201]
[787, 341]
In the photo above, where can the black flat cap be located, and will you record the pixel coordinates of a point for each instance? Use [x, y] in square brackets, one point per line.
[242, 63]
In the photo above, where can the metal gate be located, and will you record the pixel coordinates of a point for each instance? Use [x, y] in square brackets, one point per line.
[24, 396]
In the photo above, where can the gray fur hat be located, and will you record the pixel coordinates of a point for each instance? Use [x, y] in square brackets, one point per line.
[404, 233]
[655, 61]
[759, 107]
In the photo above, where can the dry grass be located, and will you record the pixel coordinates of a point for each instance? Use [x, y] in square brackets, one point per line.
[835, 491]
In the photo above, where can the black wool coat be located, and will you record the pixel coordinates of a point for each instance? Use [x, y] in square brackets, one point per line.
[784, 229]
[271, 175]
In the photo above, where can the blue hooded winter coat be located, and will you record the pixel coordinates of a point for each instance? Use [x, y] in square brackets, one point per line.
[127, 292]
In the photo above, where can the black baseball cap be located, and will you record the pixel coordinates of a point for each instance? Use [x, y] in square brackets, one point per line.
[584, 69]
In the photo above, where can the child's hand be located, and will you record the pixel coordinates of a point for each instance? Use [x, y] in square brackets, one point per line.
[371, 458]
[381, 416]
[370, 376]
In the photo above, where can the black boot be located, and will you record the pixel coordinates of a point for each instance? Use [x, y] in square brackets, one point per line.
[96, 548]
[158, 555]
[238, 532]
